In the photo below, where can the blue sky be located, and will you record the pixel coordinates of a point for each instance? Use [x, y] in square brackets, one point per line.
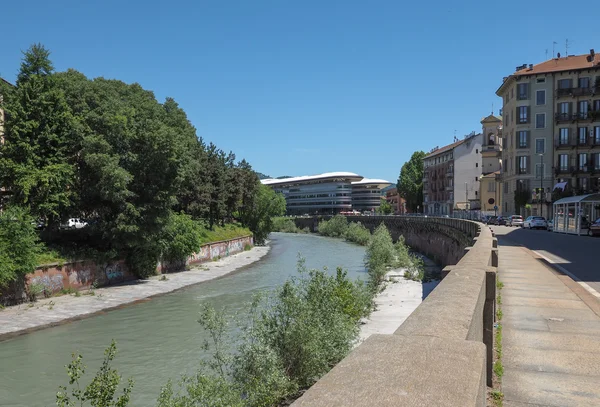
[305, 87]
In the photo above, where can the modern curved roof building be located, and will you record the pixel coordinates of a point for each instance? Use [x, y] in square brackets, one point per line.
[328, 193]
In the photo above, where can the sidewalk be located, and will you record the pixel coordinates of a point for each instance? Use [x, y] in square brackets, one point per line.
[551, 334]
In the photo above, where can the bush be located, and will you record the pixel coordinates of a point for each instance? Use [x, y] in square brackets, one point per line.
[285, 225]
[19, 247]
[181, 237]
[379, 256]
[357, 233]
[334, 227]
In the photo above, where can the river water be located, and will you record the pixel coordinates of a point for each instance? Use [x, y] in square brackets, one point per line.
[158, 339]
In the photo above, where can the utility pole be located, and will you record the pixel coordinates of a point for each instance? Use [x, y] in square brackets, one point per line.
[541, 194]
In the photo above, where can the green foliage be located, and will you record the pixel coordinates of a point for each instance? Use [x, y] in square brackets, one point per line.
[521, 197]
[357, 233]
[201, 390]
[19, 247]
[266, 205]
[181, 237]
[410, 181]
[285, 225]
[379, 256]
[101, 391]
[334, 227]
[498, 369]
[35, 290]
[385, 208]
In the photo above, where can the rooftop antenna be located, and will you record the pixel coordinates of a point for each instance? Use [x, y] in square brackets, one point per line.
[567, 47]
[492, 108]
[553, 44]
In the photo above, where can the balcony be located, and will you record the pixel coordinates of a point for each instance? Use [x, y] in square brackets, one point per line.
[563, 117]
[583, 169]
[496, 148]
[449, 188]
[581, 91]
[450, 172]
[564, 144]
[564, 92]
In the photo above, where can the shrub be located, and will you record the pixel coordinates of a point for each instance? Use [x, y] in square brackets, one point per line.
[247, 247]
[357, 233]
[379, 256]
[19, 247]
[34, 290]
[285, 225]
[334, 227]
[181, 237]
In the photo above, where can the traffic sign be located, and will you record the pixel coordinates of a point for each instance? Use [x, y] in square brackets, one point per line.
[495, 207]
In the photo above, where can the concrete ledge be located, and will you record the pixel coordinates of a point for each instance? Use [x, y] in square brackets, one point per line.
[397, 370]
[442, 354]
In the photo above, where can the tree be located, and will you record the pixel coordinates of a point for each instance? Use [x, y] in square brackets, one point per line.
[521, 198]
[266, 205]
[385, 207]
[19, 246]
[40, 149]
[410, 181]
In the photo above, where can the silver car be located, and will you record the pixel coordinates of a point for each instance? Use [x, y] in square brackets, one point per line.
[515, 220]
[535, 222]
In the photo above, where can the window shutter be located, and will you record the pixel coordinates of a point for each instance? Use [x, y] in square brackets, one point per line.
[570, 108]
[527, 163]
[528, 114]
[528, 139]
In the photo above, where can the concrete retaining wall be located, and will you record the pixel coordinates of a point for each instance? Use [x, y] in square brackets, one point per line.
[442, 354]
[81, 275]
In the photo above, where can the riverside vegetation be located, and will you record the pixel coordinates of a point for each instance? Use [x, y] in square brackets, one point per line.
[290, 337]
[133, 168]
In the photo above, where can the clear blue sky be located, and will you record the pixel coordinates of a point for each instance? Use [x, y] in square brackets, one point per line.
[305, 87]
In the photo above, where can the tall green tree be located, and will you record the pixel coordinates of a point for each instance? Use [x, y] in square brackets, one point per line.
[37, 160]
[266, 205]
[385, 207]
[410, 181]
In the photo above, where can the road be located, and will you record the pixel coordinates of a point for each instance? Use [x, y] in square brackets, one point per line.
[579, 255]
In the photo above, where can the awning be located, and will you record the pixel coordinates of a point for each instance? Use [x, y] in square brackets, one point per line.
[560, 185]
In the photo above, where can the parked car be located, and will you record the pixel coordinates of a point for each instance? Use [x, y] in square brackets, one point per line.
[73, 223]
[491, 220]
[535, 222]
[515, 220]
[550, 226]
[594, 229]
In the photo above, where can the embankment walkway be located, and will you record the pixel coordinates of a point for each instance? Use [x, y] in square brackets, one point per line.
[551, 334]
[56, 310]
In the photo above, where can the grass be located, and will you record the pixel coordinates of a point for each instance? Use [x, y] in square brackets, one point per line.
[219, 233]
[50, 256]
[497, 397]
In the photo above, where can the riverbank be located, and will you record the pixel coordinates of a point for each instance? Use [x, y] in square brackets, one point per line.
[24, 318]
[394, 304]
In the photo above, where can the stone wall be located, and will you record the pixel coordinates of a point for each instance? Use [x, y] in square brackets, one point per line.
[442, 354]
[81, 275]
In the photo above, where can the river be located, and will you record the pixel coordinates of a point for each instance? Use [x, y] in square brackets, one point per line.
[158, 339]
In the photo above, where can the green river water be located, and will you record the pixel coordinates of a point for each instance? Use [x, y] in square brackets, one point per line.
[158, 339]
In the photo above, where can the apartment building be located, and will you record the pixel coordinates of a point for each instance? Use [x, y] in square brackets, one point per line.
[451, 176]
[395, 200]
[551, 127]
[490, 193]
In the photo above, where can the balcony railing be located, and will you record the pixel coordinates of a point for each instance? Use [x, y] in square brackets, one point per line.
[563, 117]
[562, 143]
[562, 169]
[582, 91]
[564, 92]
[492, 147]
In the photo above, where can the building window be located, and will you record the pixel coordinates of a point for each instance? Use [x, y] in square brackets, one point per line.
[540, 120]
[540, 146]
[582, 162]
[540, 97]
[583, 109]
[523, 167]
[506, 187]
[476, 179]
[565, 84]
[563, 162]
[596, 105]
[563, 138]
[541, 80]
[522, 91]
[597, 135]
[522, 139]
[584, 82]
[523, 114]
[596, 157]
[492, 186]
[476, 151]
[582, 136]
[476, 165]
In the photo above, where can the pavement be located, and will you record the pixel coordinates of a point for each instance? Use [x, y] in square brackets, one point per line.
[551, 323]
[20, 319]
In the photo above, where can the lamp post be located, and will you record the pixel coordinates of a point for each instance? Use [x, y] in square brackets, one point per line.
[541, 194]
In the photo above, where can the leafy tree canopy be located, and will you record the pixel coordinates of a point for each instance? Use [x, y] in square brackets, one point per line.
[410, 181]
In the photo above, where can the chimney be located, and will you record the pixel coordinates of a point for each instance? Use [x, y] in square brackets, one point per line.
[530, 66]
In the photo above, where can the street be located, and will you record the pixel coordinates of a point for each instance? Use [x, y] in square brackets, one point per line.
[579, 255]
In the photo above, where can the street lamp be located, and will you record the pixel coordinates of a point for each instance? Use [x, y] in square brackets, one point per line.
[541, 181]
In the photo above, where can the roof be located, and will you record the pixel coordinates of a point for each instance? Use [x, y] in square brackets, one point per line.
[445, 148]
[369, 181]
[579, 198]
[349, 175]
[569, 63]
[491, 119]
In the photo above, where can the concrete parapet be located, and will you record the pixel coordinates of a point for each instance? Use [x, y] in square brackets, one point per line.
[442, 354]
